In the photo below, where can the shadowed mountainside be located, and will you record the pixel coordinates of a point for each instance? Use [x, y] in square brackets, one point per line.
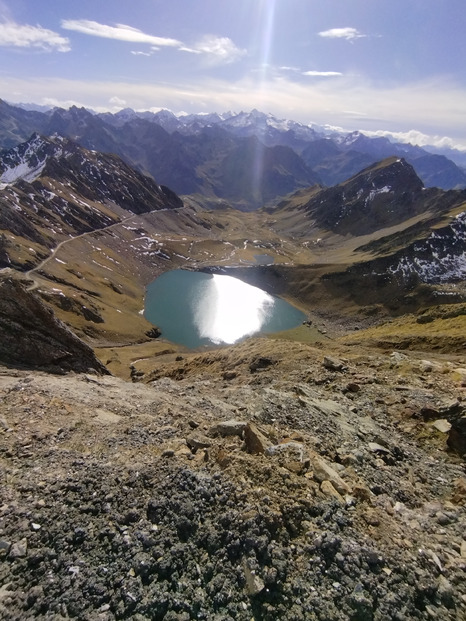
[216, 155]
[31, 337]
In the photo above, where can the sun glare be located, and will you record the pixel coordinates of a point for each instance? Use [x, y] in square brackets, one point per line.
[231, 309]
[265, 27]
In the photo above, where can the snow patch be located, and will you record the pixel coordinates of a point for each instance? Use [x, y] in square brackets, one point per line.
[374, 193]
[22, 171]
[439, 259]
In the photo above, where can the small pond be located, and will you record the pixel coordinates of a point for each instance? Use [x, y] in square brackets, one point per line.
[195, 309]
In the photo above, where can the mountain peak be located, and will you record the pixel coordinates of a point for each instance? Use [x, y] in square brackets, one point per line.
[382, 174]
[382, 195]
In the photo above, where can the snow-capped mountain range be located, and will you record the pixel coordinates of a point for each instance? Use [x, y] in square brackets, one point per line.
[245, 159]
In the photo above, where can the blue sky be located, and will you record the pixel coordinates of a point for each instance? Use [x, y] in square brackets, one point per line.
[394, 66]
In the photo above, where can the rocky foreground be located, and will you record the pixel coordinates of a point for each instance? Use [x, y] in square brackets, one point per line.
[265, 481]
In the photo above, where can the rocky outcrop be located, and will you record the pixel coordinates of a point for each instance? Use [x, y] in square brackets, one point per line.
[32, 337]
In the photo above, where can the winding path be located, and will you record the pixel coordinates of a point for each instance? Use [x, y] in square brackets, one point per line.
[29, 273]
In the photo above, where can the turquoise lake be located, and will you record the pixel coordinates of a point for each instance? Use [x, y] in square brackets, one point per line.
[195, 309]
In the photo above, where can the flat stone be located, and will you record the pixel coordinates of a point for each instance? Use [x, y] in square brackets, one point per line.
[254, 583]
[256, 442]
[291, 449]
[396, 358]
[326, 406]
[435, 559]
[377, 448]
[324, 472]
[19, 549]
[229, 428]
[442, 425]
[106, 417]
[333, 364]
[196, 442]
[442, 518]
[327, 488]
[426, 366]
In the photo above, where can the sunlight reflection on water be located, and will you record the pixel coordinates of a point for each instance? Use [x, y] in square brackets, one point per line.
[229, 309]
[195, 309]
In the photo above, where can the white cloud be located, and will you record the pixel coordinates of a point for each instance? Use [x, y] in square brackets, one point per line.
[413, 136]
[135, 53]
[322, 74]
[350, 34]
[295, 69]
[120, 32]
[56, 102]
[117, 101]
[26, 36]
[219, 50]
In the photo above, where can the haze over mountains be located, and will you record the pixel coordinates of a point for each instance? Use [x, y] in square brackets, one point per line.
[244, 160]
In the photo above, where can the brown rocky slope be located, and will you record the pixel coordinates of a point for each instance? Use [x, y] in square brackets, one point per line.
[267, 480]
[32, 337]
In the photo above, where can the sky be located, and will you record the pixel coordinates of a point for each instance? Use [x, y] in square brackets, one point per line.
[385, 67]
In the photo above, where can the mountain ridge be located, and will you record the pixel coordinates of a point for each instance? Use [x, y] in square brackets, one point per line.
[58, 188]
[181, 152]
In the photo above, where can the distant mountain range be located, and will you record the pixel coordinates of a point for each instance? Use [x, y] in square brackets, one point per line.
[90, 232]
[244, 160]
